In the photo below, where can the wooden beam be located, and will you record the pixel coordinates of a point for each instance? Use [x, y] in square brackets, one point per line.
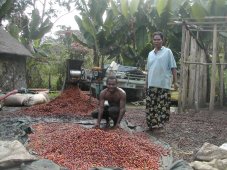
[202, 63]
[208, 30]
[207, 22]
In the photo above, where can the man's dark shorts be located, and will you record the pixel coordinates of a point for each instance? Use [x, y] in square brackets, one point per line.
[109, 112]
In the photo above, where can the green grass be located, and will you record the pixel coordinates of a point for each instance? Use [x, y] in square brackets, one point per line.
[53, 94]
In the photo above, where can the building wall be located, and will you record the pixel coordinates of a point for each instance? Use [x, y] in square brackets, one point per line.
[12, 72]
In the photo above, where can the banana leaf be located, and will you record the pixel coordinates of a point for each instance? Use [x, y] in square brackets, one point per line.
[97, 9]
[88, 26]
[35, 22]
[161, 5]
[141, 38]
[14, 30]
[198, 12]
[134, 6]
[5, 7]
[114, 8]
[2, 2]
[124, 8]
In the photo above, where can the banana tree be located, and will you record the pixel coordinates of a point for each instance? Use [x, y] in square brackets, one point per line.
[5, 6]
[110, 36]
[202, 8]
[148, 16]
[91, 24]
[35, 29]
[29, 28]
[123, 35]
[19, 24]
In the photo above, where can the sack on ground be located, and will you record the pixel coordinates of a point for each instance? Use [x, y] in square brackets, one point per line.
[15, 100]
[35, 99]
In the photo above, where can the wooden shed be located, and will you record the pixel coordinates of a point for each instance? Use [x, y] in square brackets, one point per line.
[203, 68]
[13, 57]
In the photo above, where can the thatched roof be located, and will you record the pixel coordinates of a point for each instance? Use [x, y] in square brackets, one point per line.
[9, 45]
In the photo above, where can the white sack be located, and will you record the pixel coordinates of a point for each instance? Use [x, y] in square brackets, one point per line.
[15, 99]
[46, 95]
[35, 99]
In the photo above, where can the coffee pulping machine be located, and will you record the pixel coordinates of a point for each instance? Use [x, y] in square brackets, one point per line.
[74, 73]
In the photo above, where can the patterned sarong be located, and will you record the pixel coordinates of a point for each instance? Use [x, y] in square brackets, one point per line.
[157, 106]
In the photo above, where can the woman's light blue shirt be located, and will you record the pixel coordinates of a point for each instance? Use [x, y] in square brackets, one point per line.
[159, 67]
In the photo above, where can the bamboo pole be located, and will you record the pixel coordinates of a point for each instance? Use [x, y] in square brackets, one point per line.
[221, 82]
[213, 73]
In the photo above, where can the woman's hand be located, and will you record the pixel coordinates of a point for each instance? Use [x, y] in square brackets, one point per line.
[175, 86]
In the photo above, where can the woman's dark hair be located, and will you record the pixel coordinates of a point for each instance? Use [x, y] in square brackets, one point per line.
[111, 78]
[158, 33]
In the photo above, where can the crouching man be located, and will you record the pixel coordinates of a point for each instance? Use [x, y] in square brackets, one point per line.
[112, 101]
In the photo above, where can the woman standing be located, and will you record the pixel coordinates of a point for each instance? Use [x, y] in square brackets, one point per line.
[161, 65]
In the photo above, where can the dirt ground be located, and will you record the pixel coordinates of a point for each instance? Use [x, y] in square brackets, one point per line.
[185, 132]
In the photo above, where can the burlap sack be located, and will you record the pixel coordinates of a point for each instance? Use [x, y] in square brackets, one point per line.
[15, 99]
[35, 99]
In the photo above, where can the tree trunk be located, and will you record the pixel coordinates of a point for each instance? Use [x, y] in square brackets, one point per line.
[96, 57]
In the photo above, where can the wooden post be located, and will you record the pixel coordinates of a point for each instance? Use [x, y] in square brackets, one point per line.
[203, 79]
[197, 87]
[192, 73]
[221, 81]
[180, 109]
[197, 75]
[185, 71]
[213, 73]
